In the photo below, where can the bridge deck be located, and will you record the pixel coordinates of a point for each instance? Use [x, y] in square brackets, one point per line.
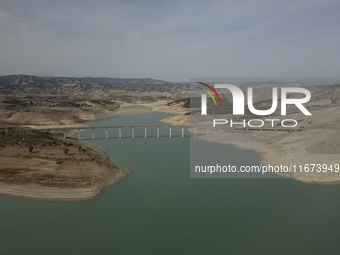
[87, 127]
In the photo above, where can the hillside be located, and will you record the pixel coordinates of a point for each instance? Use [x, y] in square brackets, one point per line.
[64, 85]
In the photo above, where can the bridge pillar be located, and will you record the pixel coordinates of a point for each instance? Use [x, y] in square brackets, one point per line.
[78, 134]
[158, 132]
[207, 131]
[120, 133]
[92, 133]
[133, 132]
[145, 133]
[170, 131]
[195, 131]
[182, 131]
[107, 135]
[220, 130]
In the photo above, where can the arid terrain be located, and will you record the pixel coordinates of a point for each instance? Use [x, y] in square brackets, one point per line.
[30, 100]
[44, 165]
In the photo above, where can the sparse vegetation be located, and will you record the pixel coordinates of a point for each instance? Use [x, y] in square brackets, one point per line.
[184, 101]
[30, 139]
[23, 145]
[68, 104]
[12, 101]
[335, 100]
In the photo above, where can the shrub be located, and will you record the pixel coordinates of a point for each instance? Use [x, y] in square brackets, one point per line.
[59, 161]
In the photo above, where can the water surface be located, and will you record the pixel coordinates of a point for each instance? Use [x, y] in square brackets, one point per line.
[158, 209]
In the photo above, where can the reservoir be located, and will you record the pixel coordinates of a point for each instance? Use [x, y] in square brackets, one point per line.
[159, 209]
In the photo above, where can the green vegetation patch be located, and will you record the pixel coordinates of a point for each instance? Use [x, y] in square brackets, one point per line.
[185, 100]
[15, 102]
[68, 104]
[335, 100]
[103, 102]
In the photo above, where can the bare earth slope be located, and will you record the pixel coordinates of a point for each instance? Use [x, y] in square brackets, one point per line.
[47, 172]
[43, 166]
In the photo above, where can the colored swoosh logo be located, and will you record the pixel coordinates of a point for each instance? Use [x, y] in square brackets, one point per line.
[213, 90]
[208, 92]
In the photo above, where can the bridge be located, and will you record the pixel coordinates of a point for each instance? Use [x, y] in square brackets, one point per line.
[119, 130]
[195, 128]
[207, 129]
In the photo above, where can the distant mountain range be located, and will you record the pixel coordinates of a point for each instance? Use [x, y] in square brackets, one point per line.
[57, 85]
[64, 85]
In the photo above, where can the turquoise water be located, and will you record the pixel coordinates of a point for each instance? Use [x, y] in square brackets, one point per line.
[158, 209]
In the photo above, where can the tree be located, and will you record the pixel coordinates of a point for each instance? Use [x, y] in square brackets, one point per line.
[66, 151]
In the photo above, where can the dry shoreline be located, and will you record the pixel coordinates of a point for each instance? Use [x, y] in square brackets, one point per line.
[37, 192]
[275, 157]
[113, 175]
[110, 176]
[260, 143]
[318, 144]
[71, 181]
[104, 176]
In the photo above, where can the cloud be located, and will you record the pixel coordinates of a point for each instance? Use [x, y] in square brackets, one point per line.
[171, 40]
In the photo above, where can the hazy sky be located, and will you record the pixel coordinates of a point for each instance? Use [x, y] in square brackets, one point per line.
[170, 40]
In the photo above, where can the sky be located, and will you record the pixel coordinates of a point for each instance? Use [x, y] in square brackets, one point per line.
[171, 40]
